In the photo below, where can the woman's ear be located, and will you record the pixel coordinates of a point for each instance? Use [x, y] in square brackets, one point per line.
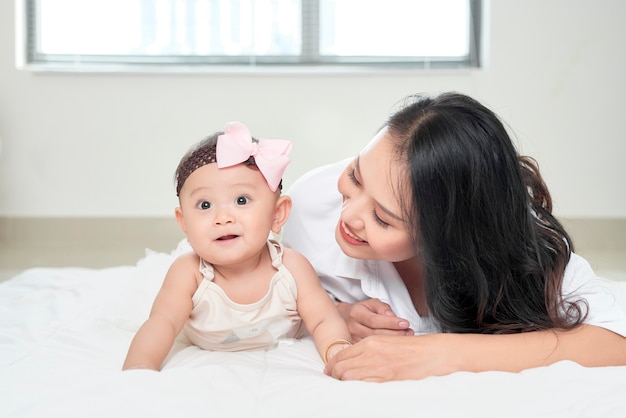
[281, 213]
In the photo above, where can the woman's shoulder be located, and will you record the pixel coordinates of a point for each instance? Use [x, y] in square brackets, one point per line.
[319, 178]
[578, 266]
[602, 305]
[315, 193]
[579, 277]
[315, 210]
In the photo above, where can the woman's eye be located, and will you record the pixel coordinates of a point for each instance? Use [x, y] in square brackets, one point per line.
[353, 178]
[378, 220]
[242, 200]
[204, 205]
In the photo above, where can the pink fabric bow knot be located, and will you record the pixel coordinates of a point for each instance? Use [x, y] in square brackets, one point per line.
[235, 146]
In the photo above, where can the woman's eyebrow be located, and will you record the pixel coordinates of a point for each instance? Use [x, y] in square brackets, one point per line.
[381, 206]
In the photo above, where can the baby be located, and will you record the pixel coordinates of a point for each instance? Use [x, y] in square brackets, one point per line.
[238, 289]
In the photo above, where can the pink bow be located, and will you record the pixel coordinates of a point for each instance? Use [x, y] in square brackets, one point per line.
[235, 146]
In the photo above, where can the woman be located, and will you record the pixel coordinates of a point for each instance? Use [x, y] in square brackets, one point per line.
[445, 231]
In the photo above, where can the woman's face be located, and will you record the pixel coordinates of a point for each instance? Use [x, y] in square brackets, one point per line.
[371, 225]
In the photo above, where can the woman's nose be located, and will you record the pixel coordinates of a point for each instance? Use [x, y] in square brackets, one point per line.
[352, 210]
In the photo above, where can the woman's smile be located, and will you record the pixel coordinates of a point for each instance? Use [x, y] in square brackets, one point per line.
[349, 236]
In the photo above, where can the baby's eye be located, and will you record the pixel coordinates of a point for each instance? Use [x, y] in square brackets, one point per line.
[242, 200]
[204, 205]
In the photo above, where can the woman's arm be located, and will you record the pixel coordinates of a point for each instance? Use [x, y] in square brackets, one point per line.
[170, 310]
[384, 358]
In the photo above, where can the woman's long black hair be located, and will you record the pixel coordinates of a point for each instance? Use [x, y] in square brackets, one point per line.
[493, 253]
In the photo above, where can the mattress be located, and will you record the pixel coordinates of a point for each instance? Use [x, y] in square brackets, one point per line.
[64, 333]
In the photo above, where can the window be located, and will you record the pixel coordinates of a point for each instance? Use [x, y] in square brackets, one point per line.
[254, 33]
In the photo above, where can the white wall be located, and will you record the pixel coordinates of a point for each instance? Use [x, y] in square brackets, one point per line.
[107, 145]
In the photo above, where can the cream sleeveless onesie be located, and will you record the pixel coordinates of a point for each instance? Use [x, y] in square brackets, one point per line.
[218, 323]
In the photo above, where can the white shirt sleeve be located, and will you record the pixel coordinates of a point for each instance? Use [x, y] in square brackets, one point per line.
[602, 305]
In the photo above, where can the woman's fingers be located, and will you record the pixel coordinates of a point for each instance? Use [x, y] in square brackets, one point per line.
[373, 317]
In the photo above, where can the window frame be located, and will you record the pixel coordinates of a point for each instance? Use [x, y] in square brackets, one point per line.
[309, 60]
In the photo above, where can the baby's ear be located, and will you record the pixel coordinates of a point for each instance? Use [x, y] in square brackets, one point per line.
[281, 213]
[178, 212]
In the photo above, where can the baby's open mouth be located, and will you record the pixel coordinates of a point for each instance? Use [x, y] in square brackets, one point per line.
[227, 237]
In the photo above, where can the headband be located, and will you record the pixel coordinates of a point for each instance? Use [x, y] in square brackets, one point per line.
[236, 146]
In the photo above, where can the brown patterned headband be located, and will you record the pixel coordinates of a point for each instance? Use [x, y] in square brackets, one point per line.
[201, 154]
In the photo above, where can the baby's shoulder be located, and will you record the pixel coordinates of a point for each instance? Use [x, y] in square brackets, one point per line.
[187, 258]
[296, 262]
[184, 273]
[292, 256]
[187, 263]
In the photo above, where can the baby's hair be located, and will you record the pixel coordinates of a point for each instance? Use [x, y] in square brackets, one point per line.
[201, 154]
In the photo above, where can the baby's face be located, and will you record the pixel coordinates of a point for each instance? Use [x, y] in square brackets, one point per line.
[227, 213]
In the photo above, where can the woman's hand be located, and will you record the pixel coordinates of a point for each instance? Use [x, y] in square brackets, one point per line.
[372, 317]
[382, 358]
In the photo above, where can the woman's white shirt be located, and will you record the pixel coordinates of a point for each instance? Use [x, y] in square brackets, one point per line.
[310, 230]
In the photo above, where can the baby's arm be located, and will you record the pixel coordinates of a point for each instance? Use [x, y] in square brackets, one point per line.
[170, 310]
[318, 312]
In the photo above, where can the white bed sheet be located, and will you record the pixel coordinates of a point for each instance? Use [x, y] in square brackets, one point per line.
[64, 333]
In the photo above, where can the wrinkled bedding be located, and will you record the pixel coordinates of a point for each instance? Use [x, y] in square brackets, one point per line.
[64, 333]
